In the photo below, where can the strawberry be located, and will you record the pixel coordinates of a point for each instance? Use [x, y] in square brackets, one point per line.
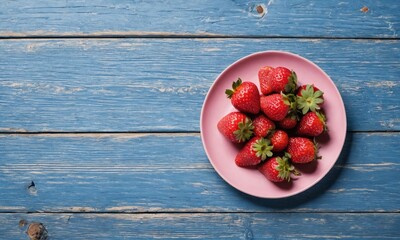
[312, 124]
[302, 150]
[303, 87]
[276, 106]
[262, 125]
[309, 98]
[244, 96]
[236, 126]
[289, 122]
[283, 80]
[279, 140]
[276, 80]
[264, 79]
[256, 150]
[278, 169]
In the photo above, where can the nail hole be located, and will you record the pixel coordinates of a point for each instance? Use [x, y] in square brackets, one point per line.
[32, 188]
[22, 223]
[364, 9]
[260, 9]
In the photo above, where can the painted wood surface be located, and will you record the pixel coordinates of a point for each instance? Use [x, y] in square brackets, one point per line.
[121, 18]
[171, 173]
[103, 85]
[208, 226]
[99, 118]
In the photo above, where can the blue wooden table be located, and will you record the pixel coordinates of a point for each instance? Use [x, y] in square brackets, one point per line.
[99, 118]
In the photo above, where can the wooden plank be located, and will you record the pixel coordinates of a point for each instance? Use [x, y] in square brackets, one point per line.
[208, 226]
[200, 18]
[111, 85]
[171, 173]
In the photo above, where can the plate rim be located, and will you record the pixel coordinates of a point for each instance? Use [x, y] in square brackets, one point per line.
[342, 106]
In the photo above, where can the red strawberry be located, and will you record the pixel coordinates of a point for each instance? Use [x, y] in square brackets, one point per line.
[302, 150]
[262, 125]
[244, 96]
[256, 150]
[279, 140]
[303, 87]
[278, 169]
[289, 122]
[279, 79]
[312, 124]
[283, 80]
[276, 106]
[264, 78]
[309, 98]
[236, 126]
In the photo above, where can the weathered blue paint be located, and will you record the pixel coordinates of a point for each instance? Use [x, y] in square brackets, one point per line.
[158, 85]
[157, 182]
[289, 18]
[208, 226]
[170, 173]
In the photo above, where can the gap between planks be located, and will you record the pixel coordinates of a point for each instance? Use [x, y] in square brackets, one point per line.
[202, 211]
[100, 134]
[155, 35]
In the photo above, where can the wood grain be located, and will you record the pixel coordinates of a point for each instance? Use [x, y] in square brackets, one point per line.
[116, 18]
[99, 118]
[208, 226]
[158, 85]
[171, 173]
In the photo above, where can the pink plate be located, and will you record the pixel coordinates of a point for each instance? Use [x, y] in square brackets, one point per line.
[221, 152]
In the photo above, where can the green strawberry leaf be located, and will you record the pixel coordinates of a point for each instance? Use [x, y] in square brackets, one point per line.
[284, 167]
[292, 83]
[262, 148]
[309, 99]
[244, 131]
[235, 84]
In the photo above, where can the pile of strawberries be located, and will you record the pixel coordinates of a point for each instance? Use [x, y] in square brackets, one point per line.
[275, 129]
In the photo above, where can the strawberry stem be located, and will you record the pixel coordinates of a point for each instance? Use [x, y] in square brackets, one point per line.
[309, 100]
[263, 148]
[290, 100]
[244, 131]
[292, 83]
[235, 85]
[285, 168]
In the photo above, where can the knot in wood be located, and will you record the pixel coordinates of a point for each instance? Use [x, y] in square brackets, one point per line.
[37, 231]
